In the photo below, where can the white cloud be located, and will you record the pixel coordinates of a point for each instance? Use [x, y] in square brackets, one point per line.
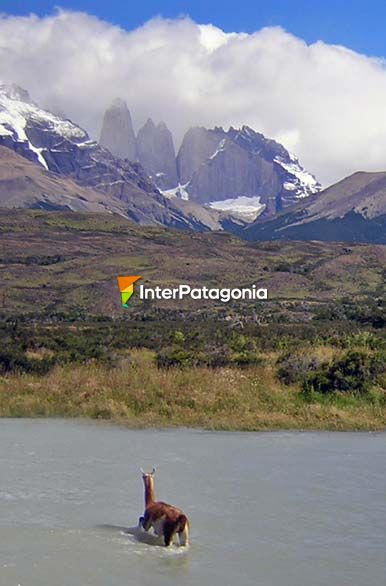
[326, 103]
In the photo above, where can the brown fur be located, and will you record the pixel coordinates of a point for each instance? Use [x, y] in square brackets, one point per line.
[148, 480]
[166, 519]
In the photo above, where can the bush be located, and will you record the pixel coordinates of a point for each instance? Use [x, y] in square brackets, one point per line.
[12, 360]
[355, 372]
[175, 356]
[294, 368]
[245, 358]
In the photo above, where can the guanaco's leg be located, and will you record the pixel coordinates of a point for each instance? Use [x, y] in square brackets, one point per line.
[169, 530]
[146, 522]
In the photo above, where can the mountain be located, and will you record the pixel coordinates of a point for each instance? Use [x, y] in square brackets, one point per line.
[117, 134]
[60, 146]
[24, 184]
[237, 170]
[353, 210]
[156, 154]
[153, 147]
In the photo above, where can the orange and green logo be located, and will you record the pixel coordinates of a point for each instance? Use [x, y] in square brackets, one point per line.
[126, 287]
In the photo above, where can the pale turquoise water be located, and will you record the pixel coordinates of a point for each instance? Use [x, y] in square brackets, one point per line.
[269, 509]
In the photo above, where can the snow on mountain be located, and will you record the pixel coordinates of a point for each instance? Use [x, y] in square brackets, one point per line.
[60, 146]
[179, 192]
[296, 179]
[18, 114]
[220, 149]
[302, 182]
[244, 207]
[240, 170]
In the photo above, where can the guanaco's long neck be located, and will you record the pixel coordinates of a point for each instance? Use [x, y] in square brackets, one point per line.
[149, 490]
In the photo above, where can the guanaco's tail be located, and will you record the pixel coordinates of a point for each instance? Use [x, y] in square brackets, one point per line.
[183, 529]
[182, 522]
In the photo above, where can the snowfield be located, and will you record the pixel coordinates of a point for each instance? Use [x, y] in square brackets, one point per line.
[247, 208]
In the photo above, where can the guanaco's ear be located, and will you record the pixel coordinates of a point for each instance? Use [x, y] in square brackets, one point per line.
[153, 472]
[142, 472]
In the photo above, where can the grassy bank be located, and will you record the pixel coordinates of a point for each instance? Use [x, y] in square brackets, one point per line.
[137, 393]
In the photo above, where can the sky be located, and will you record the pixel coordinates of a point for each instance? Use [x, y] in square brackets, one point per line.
[357, 24]
[310, 74]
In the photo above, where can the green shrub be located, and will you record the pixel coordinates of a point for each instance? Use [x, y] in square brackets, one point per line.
[175, 356]
[355, 372]
[179, 337]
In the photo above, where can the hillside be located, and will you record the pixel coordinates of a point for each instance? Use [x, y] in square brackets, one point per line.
[24, 184]
[68, 262]
[352, 210]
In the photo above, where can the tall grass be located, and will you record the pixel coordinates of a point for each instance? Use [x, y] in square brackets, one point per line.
[139, 394]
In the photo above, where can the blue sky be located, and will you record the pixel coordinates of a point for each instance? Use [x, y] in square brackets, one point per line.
[356, 24]
[326, 104]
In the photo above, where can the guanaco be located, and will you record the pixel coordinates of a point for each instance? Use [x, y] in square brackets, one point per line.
[166, 520]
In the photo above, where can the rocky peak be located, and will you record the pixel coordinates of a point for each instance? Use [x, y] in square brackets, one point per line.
[117, 134]
[119, 104]
[197, 146]
[14, 92]
[156, 153]
[241, 164]
[148, 126]
[257, 143]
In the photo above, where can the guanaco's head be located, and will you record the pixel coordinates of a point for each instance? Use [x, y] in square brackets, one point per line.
[148, 478]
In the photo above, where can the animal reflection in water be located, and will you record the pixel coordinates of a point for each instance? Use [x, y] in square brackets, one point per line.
[168, 523]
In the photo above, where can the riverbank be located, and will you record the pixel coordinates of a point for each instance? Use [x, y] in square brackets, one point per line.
[139, 394]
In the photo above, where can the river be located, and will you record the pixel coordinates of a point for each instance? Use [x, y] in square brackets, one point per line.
[266, 509]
